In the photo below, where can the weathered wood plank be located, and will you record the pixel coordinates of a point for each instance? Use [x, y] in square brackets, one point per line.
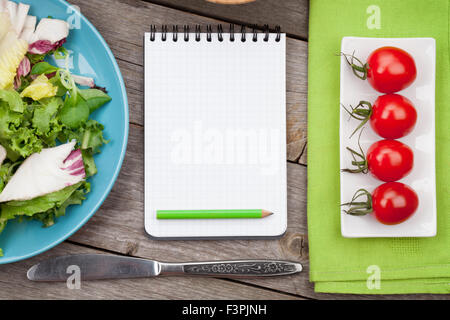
[304, 156]
[127, 45]
[291, 15]
[15, 285]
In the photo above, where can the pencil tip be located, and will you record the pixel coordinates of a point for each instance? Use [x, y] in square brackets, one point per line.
[266, 213]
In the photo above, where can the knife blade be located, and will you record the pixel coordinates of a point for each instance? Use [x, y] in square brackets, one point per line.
[102, 267]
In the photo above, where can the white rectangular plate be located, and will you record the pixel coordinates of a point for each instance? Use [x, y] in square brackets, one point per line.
[422, 139]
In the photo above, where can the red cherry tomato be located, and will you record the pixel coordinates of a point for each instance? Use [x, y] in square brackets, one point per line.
[393, 116]
[394, 202]
[390, 69]
[390, 160]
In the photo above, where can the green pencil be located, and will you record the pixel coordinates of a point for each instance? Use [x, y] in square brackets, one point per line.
[213, 214]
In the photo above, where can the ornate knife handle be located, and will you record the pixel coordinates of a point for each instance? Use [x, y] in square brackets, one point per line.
[233, 269]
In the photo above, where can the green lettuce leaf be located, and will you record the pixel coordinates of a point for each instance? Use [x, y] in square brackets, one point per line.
[13, 99]
[48, 217]
[44, 115]
[43, 68]
[9, 120]
[89, 136]
[93, 137]
[25, 142]
[18, 140]
[75, 112]
[13, 209]
[89, 163]
[94, 98]
[6, 172]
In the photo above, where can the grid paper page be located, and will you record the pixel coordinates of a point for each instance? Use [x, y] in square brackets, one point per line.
[215, 134]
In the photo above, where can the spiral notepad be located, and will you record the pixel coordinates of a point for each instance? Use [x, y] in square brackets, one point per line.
[215, 129]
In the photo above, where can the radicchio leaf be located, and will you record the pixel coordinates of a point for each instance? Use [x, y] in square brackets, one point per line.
[22, 71]
[44, 46]
[74, 164]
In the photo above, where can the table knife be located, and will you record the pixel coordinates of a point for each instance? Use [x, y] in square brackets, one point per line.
[101, 267]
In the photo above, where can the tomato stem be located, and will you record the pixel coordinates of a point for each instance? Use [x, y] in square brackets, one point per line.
[360, 69]
[359, 208]
[362, 112]
[359, 159]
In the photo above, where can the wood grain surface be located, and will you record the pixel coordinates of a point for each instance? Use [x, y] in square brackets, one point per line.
[291, 15]
[118, 227]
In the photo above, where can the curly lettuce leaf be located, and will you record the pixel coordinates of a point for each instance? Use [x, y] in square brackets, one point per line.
[19, 141]
[44, 115]
[93, 137]
[11, 210]
[48, 217]
[25, 142]
[13, 99]
[6, 172]
[37, 127]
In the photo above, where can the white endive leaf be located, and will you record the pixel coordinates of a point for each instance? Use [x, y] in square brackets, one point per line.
[46, 172]
[11, 7]
[3, 5]
[28, 28]
[5, 24]
[21, 15]
[52, 30]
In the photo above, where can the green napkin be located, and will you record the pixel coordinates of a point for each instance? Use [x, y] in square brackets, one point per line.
[404, 265]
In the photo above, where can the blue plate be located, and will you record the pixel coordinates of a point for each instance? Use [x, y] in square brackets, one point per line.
[91, 57]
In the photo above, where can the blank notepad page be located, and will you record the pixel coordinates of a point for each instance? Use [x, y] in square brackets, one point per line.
[215, 133]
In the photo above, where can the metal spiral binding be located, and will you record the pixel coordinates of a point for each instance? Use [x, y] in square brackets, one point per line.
[198, 30]
[243, 33]
[266, 31]
[219, 32]
[175, 33]
[186, 32]
[278, 31]
[255, 34]
[209, 31]
[232, 32]
[152, 32]
[164, 33]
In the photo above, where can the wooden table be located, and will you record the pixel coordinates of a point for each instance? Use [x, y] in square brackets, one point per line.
[118, 227]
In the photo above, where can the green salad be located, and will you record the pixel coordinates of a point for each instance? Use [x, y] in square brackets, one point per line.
[47, 138]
